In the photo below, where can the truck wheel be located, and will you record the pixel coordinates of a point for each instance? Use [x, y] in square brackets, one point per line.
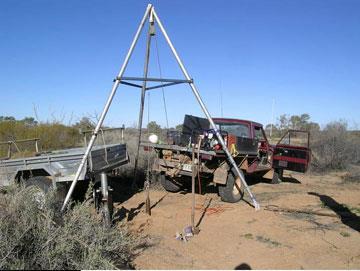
[233, 191]
[169, 183]
[278, 174]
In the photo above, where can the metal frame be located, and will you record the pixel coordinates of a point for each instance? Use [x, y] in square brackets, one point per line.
[152, 16]
[295, 131]
[13, 142]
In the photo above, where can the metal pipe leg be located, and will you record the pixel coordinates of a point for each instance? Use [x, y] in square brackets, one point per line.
[105, 199]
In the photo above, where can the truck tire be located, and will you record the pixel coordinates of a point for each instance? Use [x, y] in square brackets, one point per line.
[231, 192]
[277, 178]
[169, 183]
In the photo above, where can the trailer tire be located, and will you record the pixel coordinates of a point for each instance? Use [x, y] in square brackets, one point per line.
[42, 182]
[231, 192]
[169, 183]
[277, 178]
[44, 185]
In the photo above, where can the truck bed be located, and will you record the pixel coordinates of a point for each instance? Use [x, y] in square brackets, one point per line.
[62, 164]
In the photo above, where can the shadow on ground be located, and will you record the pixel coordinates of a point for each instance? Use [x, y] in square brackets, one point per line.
[347, 217]
[255, 179]
[243, 266]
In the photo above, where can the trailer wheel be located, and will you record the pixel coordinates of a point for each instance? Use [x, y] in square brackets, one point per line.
[39, 186]
[169, 183]
[278, 174]
[43, 185]
[233, 190]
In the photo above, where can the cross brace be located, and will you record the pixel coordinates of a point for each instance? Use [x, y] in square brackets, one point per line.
[170, 82]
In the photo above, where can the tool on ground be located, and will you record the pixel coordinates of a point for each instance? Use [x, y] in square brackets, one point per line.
[152, 17]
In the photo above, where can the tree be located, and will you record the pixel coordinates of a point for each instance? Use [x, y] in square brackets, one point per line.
[304, 120]
[295, 122]
[153, 127]
[275, 131]
[7, 118]
[29, 121]
[85, 124]
[179, 127]
[283, 122]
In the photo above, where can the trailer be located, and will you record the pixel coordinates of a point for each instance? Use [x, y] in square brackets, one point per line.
[56, 169]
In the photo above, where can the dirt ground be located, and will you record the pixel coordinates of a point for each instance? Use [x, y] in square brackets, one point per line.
[235, 236]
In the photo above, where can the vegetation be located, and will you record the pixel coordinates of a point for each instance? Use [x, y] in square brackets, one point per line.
[52, 135]
[295, 122]
[333, 148]
[36, 236]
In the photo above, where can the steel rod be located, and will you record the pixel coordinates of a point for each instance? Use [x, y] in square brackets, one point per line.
[149, 79]
[106, 108]
[130, 84]
[141, 112]
[165, 85]
[206, 112]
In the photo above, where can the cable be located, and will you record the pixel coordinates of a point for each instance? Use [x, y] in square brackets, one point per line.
[162, 88]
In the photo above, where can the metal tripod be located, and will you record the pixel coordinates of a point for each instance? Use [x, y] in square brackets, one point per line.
[151, 14]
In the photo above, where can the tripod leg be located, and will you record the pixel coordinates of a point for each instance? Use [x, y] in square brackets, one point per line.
[142, 101]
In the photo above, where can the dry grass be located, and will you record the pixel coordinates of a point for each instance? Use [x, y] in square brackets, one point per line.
[34, 237]
[334, 148]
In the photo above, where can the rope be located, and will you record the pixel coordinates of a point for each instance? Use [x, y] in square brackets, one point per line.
[162, 88]
[106, 153]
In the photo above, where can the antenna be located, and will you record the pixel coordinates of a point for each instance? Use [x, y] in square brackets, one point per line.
[272, 117]
[221, 100]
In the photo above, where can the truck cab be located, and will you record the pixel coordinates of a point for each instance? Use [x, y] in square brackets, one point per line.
[292, 151]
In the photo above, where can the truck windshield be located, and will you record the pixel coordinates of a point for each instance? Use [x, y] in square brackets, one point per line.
[237, 129]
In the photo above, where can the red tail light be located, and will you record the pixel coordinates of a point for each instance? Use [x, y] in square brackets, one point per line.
[217, 147]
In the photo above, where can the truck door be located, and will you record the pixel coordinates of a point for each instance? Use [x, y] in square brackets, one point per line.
[292, 152]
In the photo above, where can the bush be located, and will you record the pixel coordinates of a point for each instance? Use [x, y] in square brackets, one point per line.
[34, 237]
[334, 148]
[52, 135]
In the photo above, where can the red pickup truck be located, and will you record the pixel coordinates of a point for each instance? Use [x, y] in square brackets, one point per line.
[247, 143]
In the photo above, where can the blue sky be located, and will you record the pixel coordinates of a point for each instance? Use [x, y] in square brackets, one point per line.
[61, 57]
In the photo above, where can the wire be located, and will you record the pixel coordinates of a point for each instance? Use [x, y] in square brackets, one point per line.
[162, 88]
